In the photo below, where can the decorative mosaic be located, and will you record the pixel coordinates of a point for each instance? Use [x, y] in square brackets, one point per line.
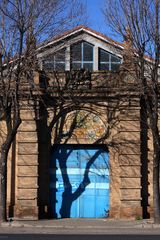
[84, 125]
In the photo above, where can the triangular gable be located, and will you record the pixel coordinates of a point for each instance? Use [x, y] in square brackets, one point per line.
[81, 29]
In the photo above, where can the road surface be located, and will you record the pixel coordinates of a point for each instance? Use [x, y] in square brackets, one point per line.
[77, 237]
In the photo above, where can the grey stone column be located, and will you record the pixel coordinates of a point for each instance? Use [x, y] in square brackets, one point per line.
[95, 58]
[67, 59]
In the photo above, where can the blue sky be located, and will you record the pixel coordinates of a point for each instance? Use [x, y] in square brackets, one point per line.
[96, 18]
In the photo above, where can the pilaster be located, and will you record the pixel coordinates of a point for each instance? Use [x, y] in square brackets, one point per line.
[27, 168]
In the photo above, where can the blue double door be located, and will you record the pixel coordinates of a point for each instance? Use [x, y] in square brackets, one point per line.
[79, 181]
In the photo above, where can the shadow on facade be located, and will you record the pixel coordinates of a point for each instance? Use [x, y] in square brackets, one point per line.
[144, 161]
[44, 145]
[11, 208]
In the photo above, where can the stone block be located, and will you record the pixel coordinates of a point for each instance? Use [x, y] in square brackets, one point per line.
[27, 182]
[132, 159]
[130, 203]
[24, 202]
[27, 148]
[114, 212]
[28, 160]
[129, 148]
[26, 194]
[128, 117]
[26, 212]
[129, 136]
[27, 114]
[130, 212]
[130, 194]
[27, 171]
[129, 126]
[130, 182]
[27, 137]
[130, 112]
[130, 171]
[27, 125]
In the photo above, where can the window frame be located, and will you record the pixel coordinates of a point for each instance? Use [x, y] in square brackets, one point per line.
[52, 59]
[82, 61]
[109, 62]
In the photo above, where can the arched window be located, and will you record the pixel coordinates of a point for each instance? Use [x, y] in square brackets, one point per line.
[82, 56]
[108, 61]
[55, 62]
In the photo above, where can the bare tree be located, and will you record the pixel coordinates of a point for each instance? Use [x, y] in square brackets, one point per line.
[140, 21]
[23, 25]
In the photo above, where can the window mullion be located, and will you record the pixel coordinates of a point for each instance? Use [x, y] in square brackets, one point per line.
[54, 62]
[82, 52]
[109, 62]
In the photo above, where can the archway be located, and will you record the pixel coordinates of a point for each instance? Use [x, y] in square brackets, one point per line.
[79, 169]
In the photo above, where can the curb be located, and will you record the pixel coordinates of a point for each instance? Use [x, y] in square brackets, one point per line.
[89, 226]
[22, 225]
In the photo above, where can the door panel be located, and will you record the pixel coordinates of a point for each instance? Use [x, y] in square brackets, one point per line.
[82, 181]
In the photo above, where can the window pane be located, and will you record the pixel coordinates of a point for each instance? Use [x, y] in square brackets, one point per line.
[114, 66]
[48, 64]
[56, 61]
[88, 66]
[103, 56]
[60, 55]
[76, 52]
[104, 66]
[76, 66]
[87, 52]
[115, 59]
[59, 66]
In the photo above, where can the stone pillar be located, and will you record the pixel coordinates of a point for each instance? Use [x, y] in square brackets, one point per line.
[95, 58]
[130, 162]
[115, 200]
[26, 168]
[67, 59]
[150, 207]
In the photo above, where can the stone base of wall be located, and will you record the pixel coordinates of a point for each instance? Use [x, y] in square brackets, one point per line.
[151, 212]
[126, 212]
[114, 212]
[26, 213]
[131, 212]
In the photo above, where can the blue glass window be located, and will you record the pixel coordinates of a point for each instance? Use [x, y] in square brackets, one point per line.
[55, 62]
[108, 61]
[82, 56]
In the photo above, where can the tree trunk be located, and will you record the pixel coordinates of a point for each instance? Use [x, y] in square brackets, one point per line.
[67, 200]
[3, 183]
[3, 168]
[156, 191]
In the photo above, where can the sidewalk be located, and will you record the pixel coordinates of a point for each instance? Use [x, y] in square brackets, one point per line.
[84, 224]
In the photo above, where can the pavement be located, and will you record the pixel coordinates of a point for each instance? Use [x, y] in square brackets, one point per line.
[81, 226]
[83, 223]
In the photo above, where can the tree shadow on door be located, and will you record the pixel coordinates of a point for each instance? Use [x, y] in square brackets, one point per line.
[69, 195]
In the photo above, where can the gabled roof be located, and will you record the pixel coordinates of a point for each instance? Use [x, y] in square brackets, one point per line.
[84, 29]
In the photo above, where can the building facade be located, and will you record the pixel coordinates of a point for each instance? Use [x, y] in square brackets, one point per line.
[83, 149]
